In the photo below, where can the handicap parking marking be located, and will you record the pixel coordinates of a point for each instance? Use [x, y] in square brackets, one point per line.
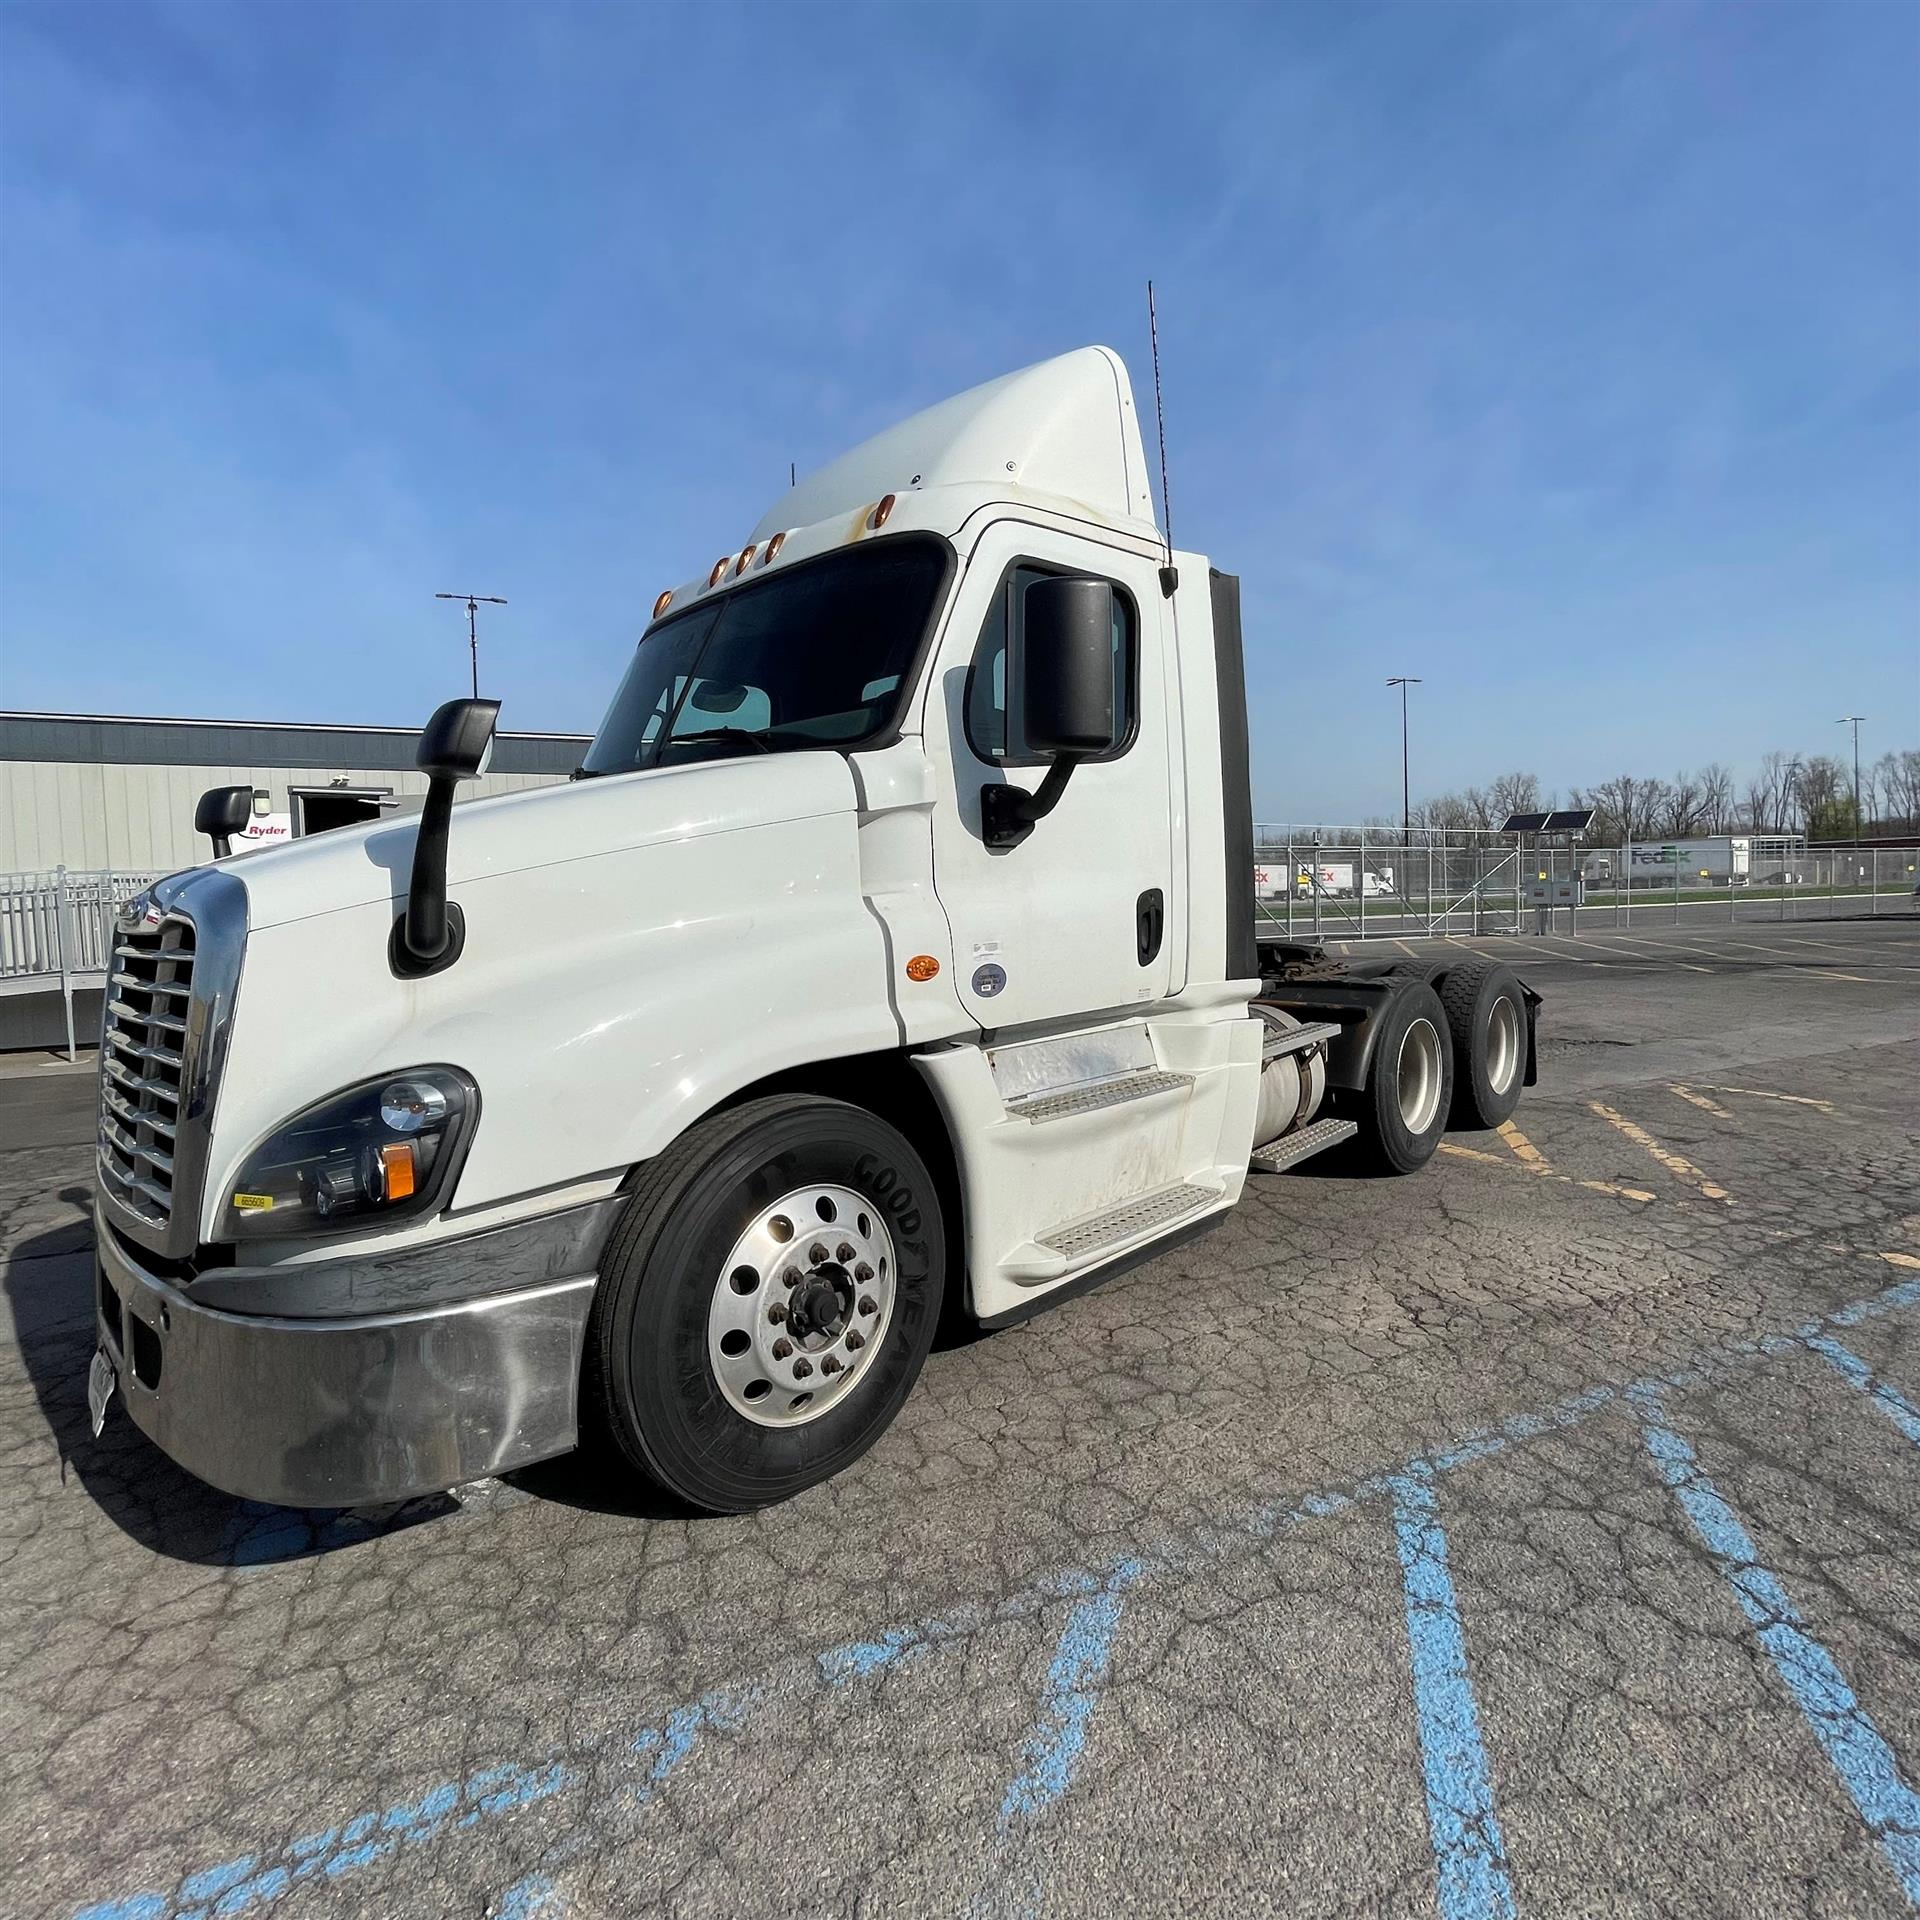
[1884, 1395]
[1470, 1857]
[1867, 1766]
[654, 1754]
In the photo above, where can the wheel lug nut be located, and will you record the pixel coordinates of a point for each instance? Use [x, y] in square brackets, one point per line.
[791, 1278]
[829, 1365]
[868, 1304]
[781, 1348]
[855, 1339]
[802, 1369]
[776, 1313]
[843, 1252]
[863, 1273]
[817, 1254]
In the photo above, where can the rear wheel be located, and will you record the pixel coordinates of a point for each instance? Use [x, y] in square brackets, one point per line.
[1402, 1109]
[767, 1301]
[1487, 1019]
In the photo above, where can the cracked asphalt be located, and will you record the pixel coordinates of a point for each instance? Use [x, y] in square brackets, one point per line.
[1540, 1535]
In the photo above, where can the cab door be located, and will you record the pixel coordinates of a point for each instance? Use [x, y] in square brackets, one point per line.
[1080, 918]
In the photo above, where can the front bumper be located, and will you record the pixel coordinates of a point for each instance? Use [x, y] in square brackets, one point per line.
[349, 1410]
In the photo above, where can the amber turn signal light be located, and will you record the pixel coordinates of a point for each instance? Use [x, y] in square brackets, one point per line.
[923, 966]
[397, 1171]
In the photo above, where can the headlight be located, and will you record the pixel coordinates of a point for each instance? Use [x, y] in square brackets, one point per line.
[385, 1149]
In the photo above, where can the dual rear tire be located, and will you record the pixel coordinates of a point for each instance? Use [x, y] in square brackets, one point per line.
[1451, 1055]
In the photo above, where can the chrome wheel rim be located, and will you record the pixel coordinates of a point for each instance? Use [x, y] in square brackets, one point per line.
[802, 1305]
[1419, 1076]
[1503, 1044]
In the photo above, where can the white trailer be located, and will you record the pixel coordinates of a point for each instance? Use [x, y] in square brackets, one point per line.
[892, 952]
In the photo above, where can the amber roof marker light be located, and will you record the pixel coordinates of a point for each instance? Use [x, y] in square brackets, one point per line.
[663, 603]
[879, 516]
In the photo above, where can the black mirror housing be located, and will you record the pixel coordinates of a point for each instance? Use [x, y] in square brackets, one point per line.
[455, 745]
[457, 742]
[221, 813]
[1066, 667]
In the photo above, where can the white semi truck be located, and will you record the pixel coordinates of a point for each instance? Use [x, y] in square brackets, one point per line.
[891, 954]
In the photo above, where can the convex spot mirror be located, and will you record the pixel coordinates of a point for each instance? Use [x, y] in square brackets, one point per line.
[1066, 667]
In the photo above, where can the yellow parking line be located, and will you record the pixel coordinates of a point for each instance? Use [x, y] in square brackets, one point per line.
[1700, 1100]
[1827, 973]
[1498, 1160]
[1645, 954]
[1607, 1186]
[1404, 948]
[1676, 1164]
[1529, 1155]
[1796, 1099]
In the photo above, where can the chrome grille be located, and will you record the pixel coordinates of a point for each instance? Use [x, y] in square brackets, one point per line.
[143, 1065]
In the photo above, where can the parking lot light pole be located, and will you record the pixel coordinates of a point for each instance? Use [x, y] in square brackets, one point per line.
[1403, 682]
[1853, 720]
[474, 602]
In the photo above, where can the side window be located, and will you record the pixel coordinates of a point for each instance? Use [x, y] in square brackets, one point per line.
[993, 721]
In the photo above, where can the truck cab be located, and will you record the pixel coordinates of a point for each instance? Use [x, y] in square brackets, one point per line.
[890, 956]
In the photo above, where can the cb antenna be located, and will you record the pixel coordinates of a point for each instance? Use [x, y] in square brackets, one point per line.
[1169, 574]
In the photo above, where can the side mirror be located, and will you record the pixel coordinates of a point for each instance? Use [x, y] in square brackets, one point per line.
[1066, 667]
[457, 742]
[1066, 698]
[223, 812]
[455, 745]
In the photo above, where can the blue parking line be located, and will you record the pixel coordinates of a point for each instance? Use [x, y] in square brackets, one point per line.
[1470, 1858]
[1848, 1364]
[1074, 1680]
[1860, 1755]
[502, 1789]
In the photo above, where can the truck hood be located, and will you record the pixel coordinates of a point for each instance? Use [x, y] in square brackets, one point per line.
[544, 827]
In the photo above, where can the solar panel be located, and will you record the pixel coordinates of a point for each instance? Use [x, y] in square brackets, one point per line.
[1569, 820]
[1526, 822]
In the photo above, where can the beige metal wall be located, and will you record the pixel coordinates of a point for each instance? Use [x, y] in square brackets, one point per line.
[75, 814]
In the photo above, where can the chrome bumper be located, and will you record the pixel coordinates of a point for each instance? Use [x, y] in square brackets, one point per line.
[345, 1411]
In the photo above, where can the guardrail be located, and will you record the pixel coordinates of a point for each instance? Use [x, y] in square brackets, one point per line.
[58, 926]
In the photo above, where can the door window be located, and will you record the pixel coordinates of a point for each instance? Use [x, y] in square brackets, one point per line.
[992, 718]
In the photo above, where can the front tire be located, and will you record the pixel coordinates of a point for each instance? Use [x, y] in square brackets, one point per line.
[767, 1301]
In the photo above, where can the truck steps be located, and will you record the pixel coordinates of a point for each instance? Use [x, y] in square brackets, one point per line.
[1093, 1233]
[1064, 1103]
[1297, 1039]
[1291, 1148]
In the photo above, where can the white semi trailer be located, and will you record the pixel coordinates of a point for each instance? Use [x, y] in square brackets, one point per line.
[893, 952]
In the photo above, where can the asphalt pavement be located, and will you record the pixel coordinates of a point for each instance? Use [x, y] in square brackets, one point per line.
[1536, 1535]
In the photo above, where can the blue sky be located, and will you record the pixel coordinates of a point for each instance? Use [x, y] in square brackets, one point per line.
[1568, 357]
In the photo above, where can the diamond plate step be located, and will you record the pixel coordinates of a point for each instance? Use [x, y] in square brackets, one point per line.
[1279, 1040]
[1077, 1239]
[1290, 1149]
[1041, 1107]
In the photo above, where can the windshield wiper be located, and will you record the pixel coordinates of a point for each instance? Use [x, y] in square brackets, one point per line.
[712, 735]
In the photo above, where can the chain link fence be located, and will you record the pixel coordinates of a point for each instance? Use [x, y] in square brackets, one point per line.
[58, 927]
[1355, 883]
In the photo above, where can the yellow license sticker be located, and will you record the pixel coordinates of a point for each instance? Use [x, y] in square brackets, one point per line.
[253, 1202]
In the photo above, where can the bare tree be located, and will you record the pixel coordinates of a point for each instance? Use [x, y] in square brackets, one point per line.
[1680, 807]
[1716, 797]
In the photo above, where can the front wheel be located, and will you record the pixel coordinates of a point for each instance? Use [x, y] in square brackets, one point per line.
[1402, 1109]
[767, 1301]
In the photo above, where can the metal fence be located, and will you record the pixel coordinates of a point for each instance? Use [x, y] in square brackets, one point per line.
[1359, 883]
[58, 927]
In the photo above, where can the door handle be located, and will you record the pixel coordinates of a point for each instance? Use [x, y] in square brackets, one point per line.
[1150, 925]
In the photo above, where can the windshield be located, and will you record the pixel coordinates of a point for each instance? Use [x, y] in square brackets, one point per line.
[816, 656]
